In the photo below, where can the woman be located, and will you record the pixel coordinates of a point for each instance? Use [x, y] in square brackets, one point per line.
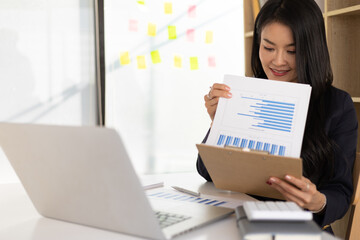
[290, 45]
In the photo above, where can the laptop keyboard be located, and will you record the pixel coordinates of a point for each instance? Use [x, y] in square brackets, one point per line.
[167, 219]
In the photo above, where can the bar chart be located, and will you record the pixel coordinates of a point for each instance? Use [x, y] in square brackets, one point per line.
[268, 114]
[272, 148]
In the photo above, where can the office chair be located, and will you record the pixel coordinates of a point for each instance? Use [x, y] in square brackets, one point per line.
[348, 227]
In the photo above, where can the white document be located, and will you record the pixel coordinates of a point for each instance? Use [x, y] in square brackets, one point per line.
[175, 196]
[263, 115]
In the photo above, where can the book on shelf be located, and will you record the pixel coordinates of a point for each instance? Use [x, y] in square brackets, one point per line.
[262, 2]
[255, 8]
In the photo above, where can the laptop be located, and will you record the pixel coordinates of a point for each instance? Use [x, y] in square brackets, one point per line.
[84, 175]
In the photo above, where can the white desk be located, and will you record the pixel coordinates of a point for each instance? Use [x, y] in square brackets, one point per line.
[20, 221]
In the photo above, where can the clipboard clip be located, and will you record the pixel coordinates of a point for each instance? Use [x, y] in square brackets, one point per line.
[247, 149]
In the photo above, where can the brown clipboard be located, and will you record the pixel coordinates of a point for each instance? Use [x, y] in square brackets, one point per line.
[247, 171]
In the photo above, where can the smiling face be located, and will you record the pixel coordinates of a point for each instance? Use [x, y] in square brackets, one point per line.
[277, 52]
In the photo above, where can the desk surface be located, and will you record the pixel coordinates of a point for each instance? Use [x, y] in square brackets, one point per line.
[19, 219]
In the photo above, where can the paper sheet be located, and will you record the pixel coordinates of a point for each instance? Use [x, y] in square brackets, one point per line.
[263, 115]
[169, 194]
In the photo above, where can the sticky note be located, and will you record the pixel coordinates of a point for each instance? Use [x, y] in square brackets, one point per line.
[141, 64]
[190, 35]
[194, 65]
[155, 57]
[133, 25]
[209, 37]
[172, 32]
[177, 61]
[192, 11]
[152, 29]
[141, 2]
[211, 61]
[168, 8]
[124, 58]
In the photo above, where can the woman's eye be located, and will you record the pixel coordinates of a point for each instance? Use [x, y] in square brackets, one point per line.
[268, 49]
[291, 52]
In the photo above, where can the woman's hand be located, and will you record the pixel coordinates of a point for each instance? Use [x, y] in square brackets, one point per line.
[301, 191]
[212, 98]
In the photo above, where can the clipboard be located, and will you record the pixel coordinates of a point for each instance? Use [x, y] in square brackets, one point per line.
[247, 171]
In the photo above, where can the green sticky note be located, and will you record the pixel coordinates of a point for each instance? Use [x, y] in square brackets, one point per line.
[194, 65]
[155, 57]
[172, 32]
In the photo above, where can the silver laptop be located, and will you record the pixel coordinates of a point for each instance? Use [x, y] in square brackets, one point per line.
[84, 175]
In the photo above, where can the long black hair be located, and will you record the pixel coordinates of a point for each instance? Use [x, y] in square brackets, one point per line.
[306, 22]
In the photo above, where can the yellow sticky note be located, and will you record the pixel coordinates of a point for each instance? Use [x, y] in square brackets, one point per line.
[141, 2]
[168, 8]
[155, 57]
[124, 58]
[177, 61]
[141, 62]
[209, 37]
[152, 29]
[194, 65]
[172, 32]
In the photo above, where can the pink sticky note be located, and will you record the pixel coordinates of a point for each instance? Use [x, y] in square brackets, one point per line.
[211, 61]
[133, 25]
[190, 35]
[192, 11]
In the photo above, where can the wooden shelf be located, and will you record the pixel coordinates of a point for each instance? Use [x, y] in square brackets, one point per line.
[249, 34]
[354, 10]
[340, 4]
[356, 99]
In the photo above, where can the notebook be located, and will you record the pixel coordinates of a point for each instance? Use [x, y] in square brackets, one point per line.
[84, 175]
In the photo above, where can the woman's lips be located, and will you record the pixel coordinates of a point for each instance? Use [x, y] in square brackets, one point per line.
[279, 73]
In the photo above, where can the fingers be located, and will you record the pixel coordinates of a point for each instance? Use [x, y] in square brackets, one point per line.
[288, 196]
[299, 190]
[303, 184]
[219, 90]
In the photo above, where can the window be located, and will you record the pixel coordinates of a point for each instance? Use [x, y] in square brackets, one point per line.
[47, 64]
[161, 57]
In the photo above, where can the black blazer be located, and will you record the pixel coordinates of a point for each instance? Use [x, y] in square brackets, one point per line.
[341, 126]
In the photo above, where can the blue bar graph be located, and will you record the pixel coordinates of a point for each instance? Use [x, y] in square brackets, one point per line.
[228, 140]
[181, 197]
[266, 147]
[251, 144]
[236, 142]
[281, 150]
[271, 115]
[244, 143]
[221, 140]
[259, 145]
[274, 149]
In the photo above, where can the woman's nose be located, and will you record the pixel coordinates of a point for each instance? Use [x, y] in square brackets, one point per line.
[279, 59]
